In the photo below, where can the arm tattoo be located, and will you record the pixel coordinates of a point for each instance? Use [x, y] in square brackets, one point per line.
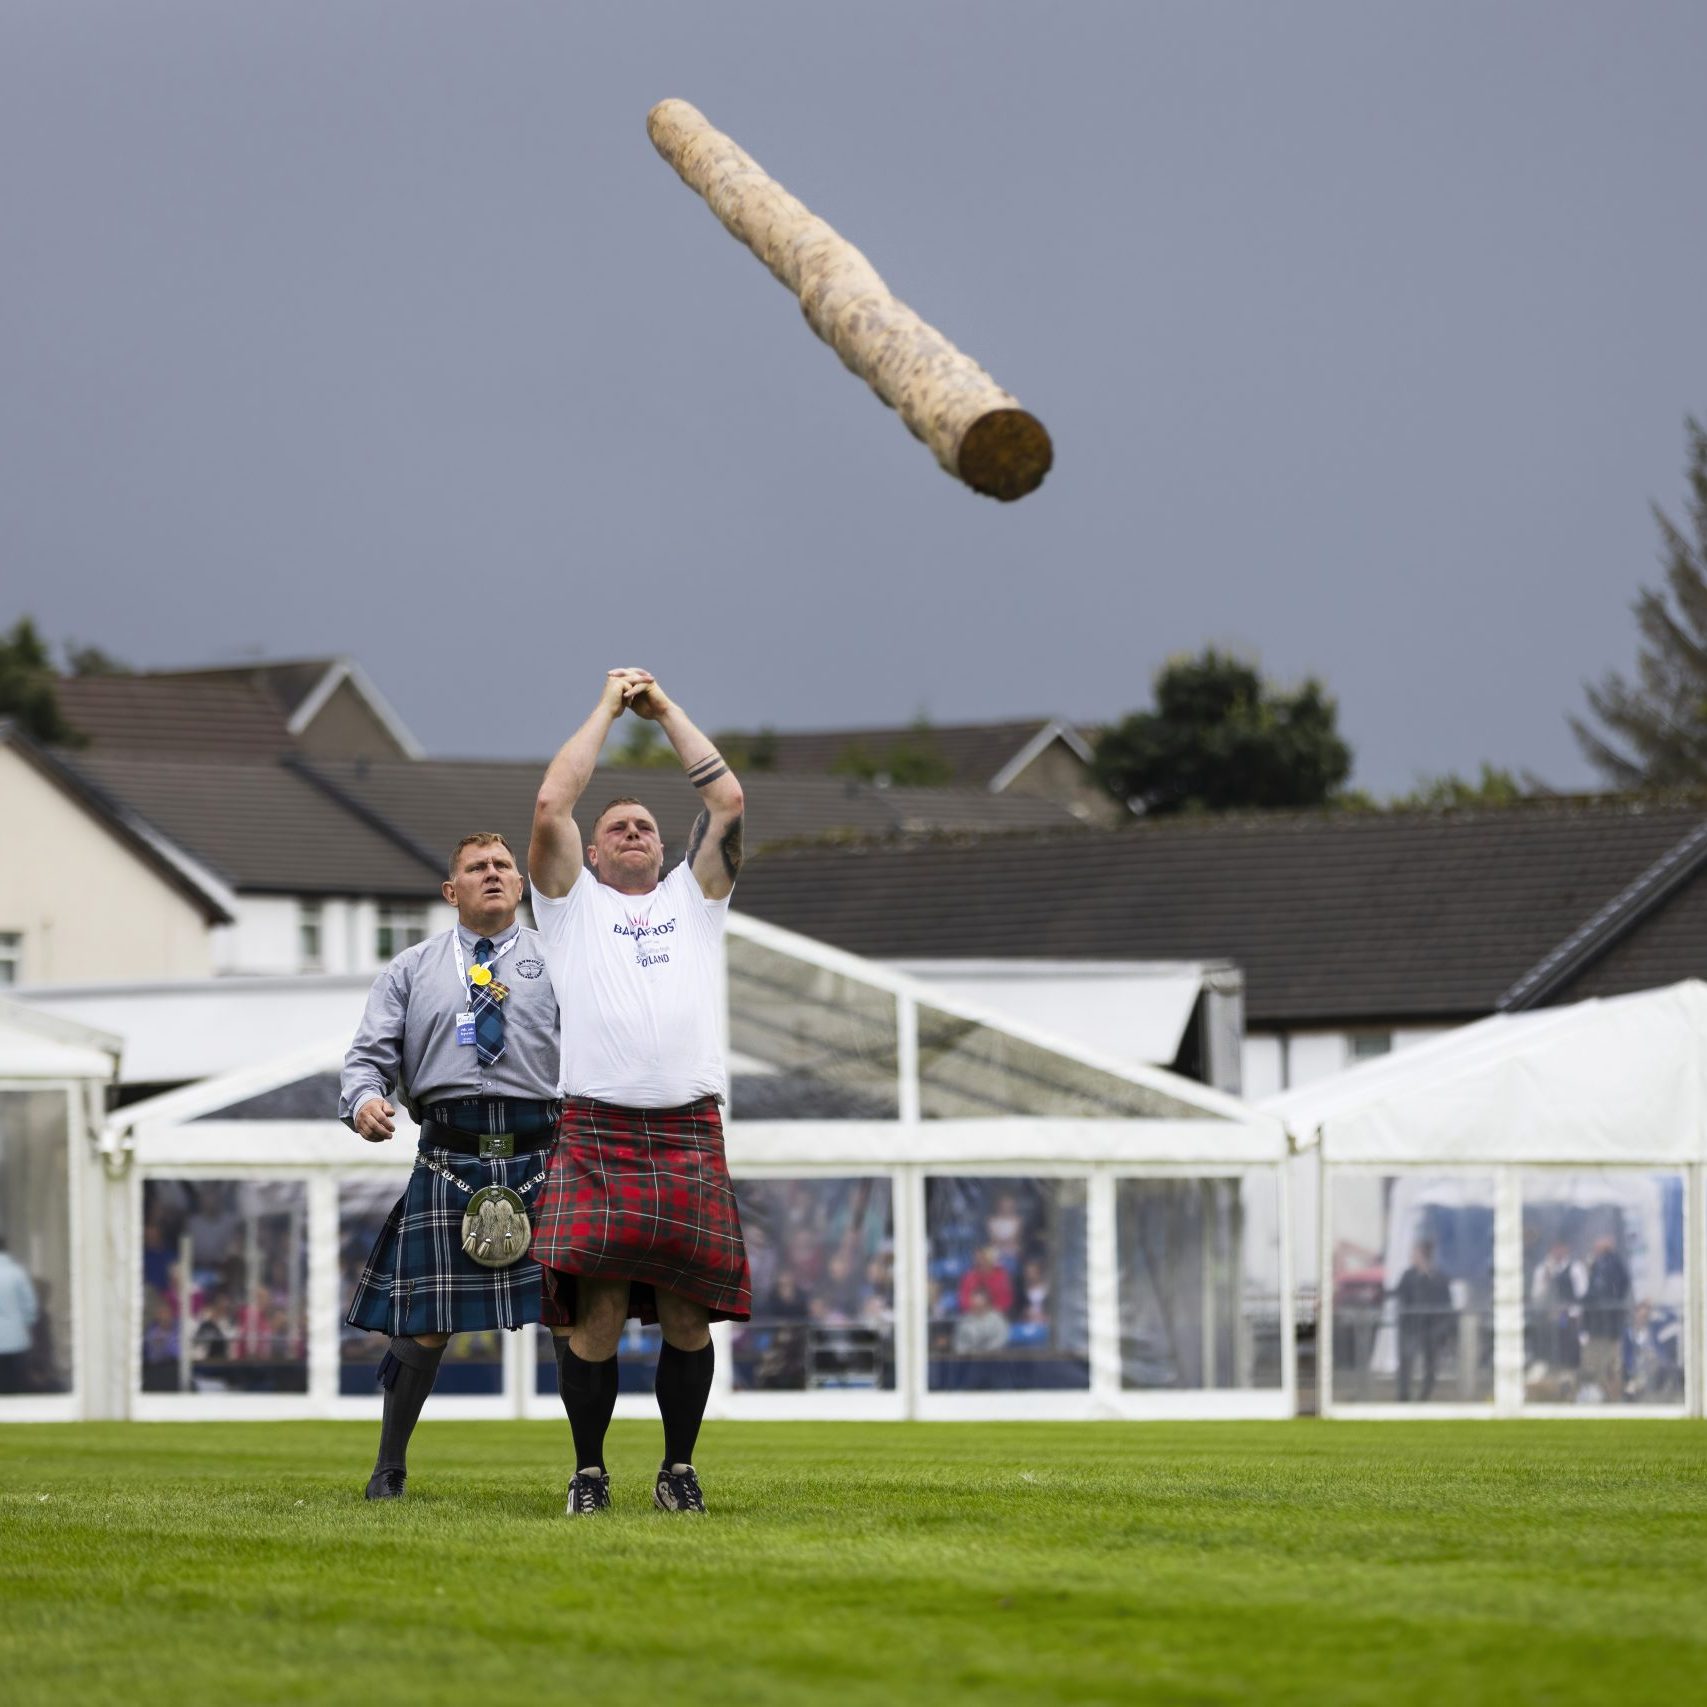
[708, 769]
[731, 849]
[696, 837]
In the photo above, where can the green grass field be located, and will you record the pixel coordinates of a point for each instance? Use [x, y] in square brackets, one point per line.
[874, 1563]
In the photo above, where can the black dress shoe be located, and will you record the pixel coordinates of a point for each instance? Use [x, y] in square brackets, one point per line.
[386, 1484]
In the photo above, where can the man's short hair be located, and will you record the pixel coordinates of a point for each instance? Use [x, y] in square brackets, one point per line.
[480, 839]
[621, 800]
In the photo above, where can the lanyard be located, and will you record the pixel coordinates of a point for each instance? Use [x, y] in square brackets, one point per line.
[462, 970]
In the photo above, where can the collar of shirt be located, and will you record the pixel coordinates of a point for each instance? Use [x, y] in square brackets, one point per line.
[470, 938]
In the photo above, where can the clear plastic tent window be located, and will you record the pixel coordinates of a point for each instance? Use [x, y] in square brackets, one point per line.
[808, 1042]
[1413, 1289]
[970, 1070]
[1200, 1280]
[822, 1255]
[1605, 1300]
[1008, 1306]
[35, 1260]
[224, 1286]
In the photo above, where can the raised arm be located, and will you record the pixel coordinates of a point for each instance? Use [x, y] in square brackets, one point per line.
[554, 850]
[714, 845]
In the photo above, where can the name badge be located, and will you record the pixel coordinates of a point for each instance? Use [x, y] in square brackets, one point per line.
[465, 1029]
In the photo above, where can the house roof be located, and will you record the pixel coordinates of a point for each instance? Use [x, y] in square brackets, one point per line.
[1613, 923]
[438, 801]
[316, 826]
[238, 711]
[173, 863]
[1333, 917]
[977, 752]
[262, 826]
[1663, 946]
[178, 716]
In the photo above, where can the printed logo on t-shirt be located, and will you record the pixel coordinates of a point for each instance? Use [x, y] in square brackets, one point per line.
[649, 943]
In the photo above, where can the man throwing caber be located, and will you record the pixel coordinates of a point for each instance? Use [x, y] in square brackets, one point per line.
[463, 1029]
[638, 1215]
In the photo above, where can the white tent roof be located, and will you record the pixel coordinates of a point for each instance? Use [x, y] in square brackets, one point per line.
[44, 1046]
[1194, 1122]
[1612, 1081]
[181, 1029]
[1133, 1009]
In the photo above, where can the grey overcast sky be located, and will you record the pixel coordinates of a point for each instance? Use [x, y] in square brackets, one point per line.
[1366, 333]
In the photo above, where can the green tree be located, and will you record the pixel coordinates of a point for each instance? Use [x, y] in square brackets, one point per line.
[1495, 787]
[93, 661]
[1221, 738]
[749, 752]
[1653, 730]
[644, 748]
[27, 683]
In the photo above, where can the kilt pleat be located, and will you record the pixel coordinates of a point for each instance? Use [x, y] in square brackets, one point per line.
[641, 1193]
[417, 1279]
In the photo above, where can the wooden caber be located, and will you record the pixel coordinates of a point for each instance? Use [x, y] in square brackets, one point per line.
[978, 431]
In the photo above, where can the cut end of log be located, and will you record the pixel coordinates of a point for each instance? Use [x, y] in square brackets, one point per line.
[1005, 454]
[672, 111]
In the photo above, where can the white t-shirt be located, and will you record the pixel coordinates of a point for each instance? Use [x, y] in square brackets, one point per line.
[639, 985]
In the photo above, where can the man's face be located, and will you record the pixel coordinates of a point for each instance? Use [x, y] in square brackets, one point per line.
[486, 883]
[626, 850]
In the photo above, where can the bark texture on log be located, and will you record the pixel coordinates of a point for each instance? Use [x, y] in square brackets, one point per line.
[979, 433]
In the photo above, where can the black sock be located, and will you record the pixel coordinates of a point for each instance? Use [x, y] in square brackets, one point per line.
[683, 1386]
[407, 1373]
[588, 1392]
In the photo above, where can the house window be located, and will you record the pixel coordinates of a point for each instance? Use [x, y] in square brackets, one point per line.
[309, 934]
[11, 956]
[1366, 1045]
[398, 928]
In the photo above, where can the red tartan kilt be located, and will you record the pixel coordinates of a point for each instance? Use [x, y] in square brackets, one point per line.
[642, 1194]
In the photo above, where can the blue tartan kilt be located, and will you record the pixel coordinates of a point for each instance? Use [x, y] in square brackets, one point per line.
[417, 1279]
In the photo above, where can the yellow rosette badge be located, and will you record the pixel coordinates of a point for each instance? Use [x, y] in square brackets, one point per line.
[480, 976]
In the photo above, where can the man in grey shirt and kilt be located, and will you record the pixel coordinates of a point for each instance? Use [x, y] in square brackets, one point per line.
[462, 1029]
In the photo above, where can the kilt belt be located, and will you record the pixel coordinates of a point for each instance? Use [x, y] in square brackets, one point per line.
[485, 1144]
[641, 1193]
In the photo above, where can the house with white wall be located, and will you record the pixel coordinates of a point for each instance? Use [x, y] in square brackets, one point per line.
[87, 888]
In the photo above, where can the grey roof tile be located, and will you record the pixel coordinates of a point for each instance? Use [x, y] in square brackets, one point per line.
[438, 801]
[175, 716]
[261, 826]
[383, 828]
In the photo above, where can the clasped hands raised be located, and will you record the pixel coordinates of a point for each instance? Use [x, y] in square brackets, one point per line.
[635, 690]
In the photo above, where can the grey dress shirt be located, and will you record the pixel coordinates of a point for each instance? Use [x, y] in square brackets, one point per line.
[407, 1038]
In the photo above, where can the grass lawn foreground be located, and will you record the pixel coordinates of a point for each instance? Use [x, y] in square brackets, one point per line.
[861, 1563]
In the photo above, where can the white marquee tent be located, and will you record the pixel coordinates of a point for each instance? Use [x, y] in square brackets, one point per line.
[54, 1075]
[1520, 1150]
[948, 1213]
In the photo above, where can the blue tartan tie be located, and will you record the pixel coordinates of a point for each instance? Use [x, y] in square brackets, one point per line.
[488, 1015]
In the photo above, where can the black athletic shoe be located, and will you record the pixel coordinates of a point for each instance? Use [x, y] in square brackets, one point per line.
[386, 1484]
[589, 1491]
[677, 1489]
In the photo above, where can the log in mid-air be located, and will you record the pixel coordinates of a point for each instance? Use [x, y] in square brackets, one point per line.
[979, 433]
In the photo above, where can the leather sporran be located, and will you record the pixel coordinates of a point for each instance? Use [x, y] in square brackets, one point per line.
[495, 1227]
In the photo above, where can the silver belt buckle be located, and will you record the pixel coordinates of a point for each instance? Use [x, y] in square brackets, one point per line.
[497, 1144]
